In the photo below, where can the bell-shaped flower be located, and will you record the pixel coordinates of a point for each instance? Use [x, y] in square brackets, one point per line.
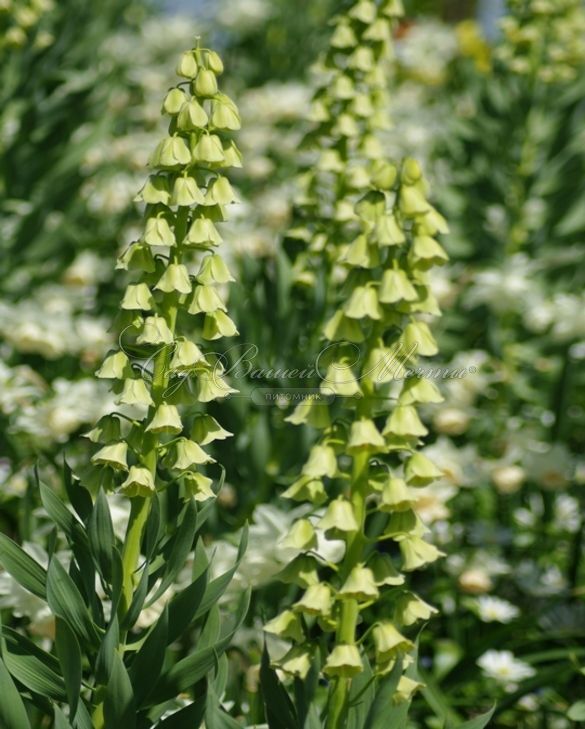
[419, 390]
[363, 303]
[220, 192]
[203, 233]
[343, 36]
[205, 300]
[417, 553]
[188, 453]
[139, 482]
[208, 148]
[225, 116]
[406, 689]
[387, 232]
[171, 152]
[232, 155]
[411, 171]
[426, 252]
[187, 65]
[312, 412]
[397, 496]
[206, 429]
[339, 518]
[383, 174]
[361, 254]
[306, 488]
[340, 380]
[192, 116]
[174, 100]
[346, 126]
[343, 88]
[166, 419]
[175, 279]
[362, 59]
[395, 286]
[300, 536]
[214, 271]
[186, 192]
[364, 11]
[412, 202]
[138, 256]
[198, 486]
[218, 324]
[371, 207]
[404, 420]
[205, 83]
[317, 600]
[137, 297]
[186, 354]
[115, 367]
[420, 470]
[155, 191]
[211, 386]
[135, 392]
[113, 455]
[389, 642]
[432, 224]
[158, 232]
[417, 338]
[297, 662]
[301, 571]
[384, 571]
[340, 328]
[106, 430]
[344, 661]
[321, 462]
[155, 331]
[360, 585]
[364, 436]
[409, 609]
[287, 625]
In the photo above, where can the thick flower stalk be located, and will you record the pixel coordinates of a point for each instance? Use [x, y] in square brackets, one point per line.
[376, 230]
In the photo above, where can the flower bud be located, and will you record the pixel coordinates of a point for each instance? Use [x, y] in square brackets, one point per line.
[286, 625]
[404, 420]
[138, 483]
[166, 419]
[113, 455]
[174, 100]
[206, 429]
[364, 436]
[339, 518]
[186, 193]
[214, 62]
[218, 324]
[137, 297]
[175, 278]
[360, 585]
[344, 661]
[300, 536]
[411, 172]
[198, 486]
[205, 83]
[115, 367]
[383, 174]
[135, 392]
[321, 462]
[389, 642]
[214, 271]
[317, 600]
[158, 232]
[417, 553]
[187, 65]
[155, 330]
[363, 303]
[420, 471]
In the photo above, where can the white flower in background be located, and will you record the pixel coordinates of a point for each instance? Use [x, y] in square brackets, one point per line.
[426, 49]
[491, 609]
[475, 581]
[509, 287]
[567, 513]
[18, 387]
[463, 391]
[241, 15]
[87, 269]
[275, 102]
[451, 421]
[569, 317]
[505, 668]
[432, 501]
[508, 478]
[551, 466]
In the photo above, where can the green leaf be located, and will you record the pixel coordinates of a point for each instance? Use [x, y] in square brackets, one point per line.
[179, 550]
[210, 633]
[577, 711]
[280, 713]
[32, 666]
[101, 535]
[109, 646]
[58, 512]
[149, 660]
[79, 496]
[61, 721]
[361, 697]
[184, 605]
[28, 573]
[137, 602]
[119, 704]
[190, 717]
[69, 655]
[479, 722]
[379, 715]
[215, 716]
[12, 712]
[66, 602]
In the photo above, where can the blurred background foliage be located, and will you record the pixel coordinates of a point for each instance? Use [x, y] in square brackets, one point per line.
[500, 129]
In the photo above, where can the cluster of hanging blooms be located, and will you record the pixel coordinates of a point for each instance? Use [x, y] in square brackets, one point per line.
[176, 289]
[19, 21]
[543, 37]
[369, 220]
